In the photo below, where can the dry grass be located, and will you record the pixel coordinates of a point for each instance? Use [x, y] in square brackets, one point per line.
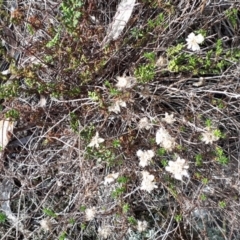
[49, 173]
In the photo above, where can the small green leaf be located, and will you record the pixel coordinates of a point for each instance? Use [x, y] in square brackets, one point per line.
[49, 212]
[3, 217]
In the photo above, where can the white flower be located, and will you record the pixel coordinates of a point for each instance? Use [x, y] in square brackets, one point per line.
[110, 178]
[142, 225]
[116, 106]
[148, 183]
[125, 82]
[164, 139]
[144, 123]
[46, 224]
[178, 168]
[43, 101]
[169, 118]
[90, 213]
[95, 141]
[209, 136]
[161, 62]
[145, 157]
[193, 41]
[6, 72]
[200, 83]
[59, 183]
[104, 232]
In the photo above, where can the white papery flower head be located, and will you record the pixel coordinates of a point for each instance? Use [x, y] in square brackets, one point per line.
[209, 137]
[144, 123]
[104, 232]
[46, 224]
[90, 213]
[145, 157]
[193, 41]
[162, 61]
[169, 118]
[178, 168]
[95, 141]
[142, 225]
[164, 139]
[116, 106]
[148, 183]
[125, 82]
[110, 178]
[43, 101]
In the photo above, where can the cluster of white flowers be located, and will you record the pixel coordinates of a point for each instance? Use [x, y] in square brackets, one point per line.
[144, 123]
[142, 225]
[104, 232]
[209, 136]
[116, 106]
[90, 213]
[164, 139]
[125, 82]
[178, 168]
[110, 178]
[148, 183]
[145, 157]
[95, 141]
[169, 118]
[193, 41]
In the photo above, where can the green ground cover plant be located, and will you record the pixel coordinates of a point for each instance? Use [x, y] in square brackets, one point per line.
[136, 137]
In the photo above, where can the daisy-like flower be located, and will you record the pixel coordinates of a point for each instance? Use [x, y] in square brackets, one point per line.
[104, 232]
[144, 123]
[116, 106]
[145, 157]
[110, 178]
[95, 141]
[90, 213]
[125, 82]
[142, 225]
[164, 139]
[148, 183]
[169, 118]
[193, 41]
[178, 168]
[209, 136]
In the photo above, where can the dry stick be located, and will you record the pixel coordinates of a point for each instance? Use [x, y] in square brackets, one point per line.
[5, 192]
[120, 20]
